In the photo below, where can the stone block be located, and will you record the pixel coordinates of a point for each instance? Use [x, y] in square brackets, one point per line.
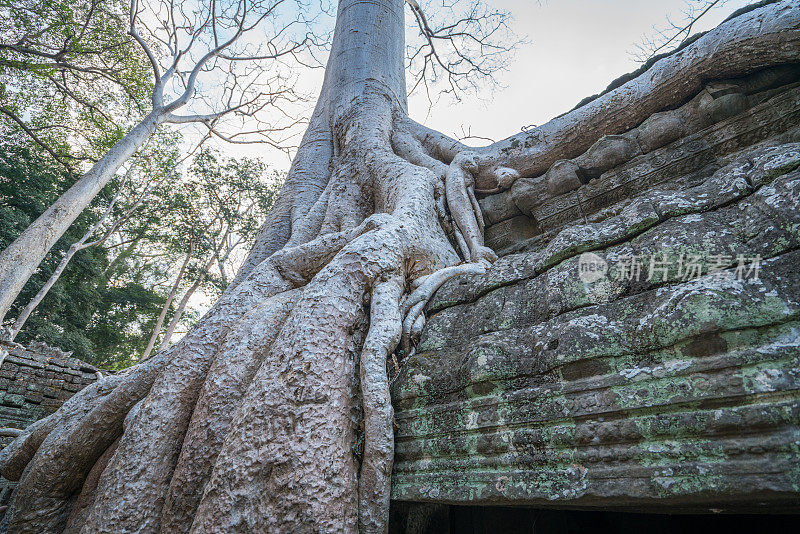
[8, 371]
[562, 177]
[669, 388]
[713, 110]
[529, 193]
[499, 207]
[608, 152]
[660, 130]
[12, 399]
[11, 358]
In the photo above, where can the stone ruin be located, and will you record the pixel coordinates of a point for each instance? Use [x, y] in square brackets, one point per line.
[655, 389]
[34, 381]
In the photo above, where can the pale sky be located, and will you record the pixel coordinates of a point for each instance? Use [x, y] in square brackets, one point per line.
[575, 49]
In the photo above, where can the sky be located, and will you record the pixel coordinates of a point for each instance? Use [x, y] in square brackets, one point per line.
[575, 49]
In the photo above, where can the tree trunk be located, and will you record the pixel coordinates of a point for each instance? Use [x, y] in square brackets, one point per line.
[76, 247]
[248, 423]
[165, 308]
[26, 312]
[176, 318]
[21, 258]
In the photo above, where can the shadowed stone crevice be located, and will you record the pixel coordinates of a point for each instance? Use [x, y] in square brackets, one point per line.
[424, 518]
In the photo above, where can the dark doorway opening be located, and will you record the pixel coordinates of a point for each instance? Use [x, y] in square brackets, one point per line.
[410, 518]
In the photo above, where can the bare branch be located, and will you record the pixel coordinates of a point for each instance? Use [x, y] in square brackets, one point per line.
[666, 39]
[465, 51]
[150, 56]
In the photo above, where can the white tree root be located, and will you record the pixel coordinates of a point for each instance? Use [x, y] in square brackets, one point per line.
[166, 412]
[246, 424]
[258, 483]
[408, 325]
[83, 503]
[465, 211]
[66, 455]
[60, 451]
[231, 388]
[228, 379]
[414, 304]
[476, 209]
[374, 484]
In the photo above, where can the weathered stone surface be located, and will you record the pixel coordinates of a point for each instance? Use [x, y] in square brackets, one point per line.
[562, 177]
[34, 372]
[34, 382]
[608, 152]
[527, 194]
[667, 393]
[723, 106]
[660, 129]
[680, 147]
[499, 207]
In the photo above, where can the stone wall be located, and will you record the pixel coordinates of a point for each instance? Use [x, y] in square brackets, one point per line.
[669, 148]
[34, 382]
[664, 392]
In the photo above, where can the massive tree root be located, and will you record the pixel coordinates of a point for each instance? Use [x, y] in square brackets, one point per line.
[250, 422]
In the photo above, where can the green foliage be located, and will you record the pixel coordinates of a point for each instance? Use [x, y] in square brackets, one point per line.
[217, 208]
[71, 74]
[106, 303]
[91, 310]
[72, 82]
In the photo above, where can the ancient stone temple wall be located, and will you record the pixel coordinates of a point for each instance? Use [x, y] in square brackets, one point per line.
[34, 382]
[637, 345]
[670, 149]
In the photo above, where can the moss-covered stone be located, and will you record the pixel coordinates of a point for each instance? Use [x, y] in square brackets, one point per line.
[532, 386]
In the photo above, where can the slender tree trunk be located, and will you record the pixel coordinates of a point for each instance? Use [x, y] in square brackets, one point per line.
[21, 258]
[247, 424]
[23, 316]
[222, 274]
[79, 245]
[189, 292]
[165, 308]
[176, 318]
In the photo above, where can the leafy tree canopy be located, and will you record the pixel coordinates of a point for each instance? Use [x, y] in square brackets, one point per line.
[91, 310]
[71, 78]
